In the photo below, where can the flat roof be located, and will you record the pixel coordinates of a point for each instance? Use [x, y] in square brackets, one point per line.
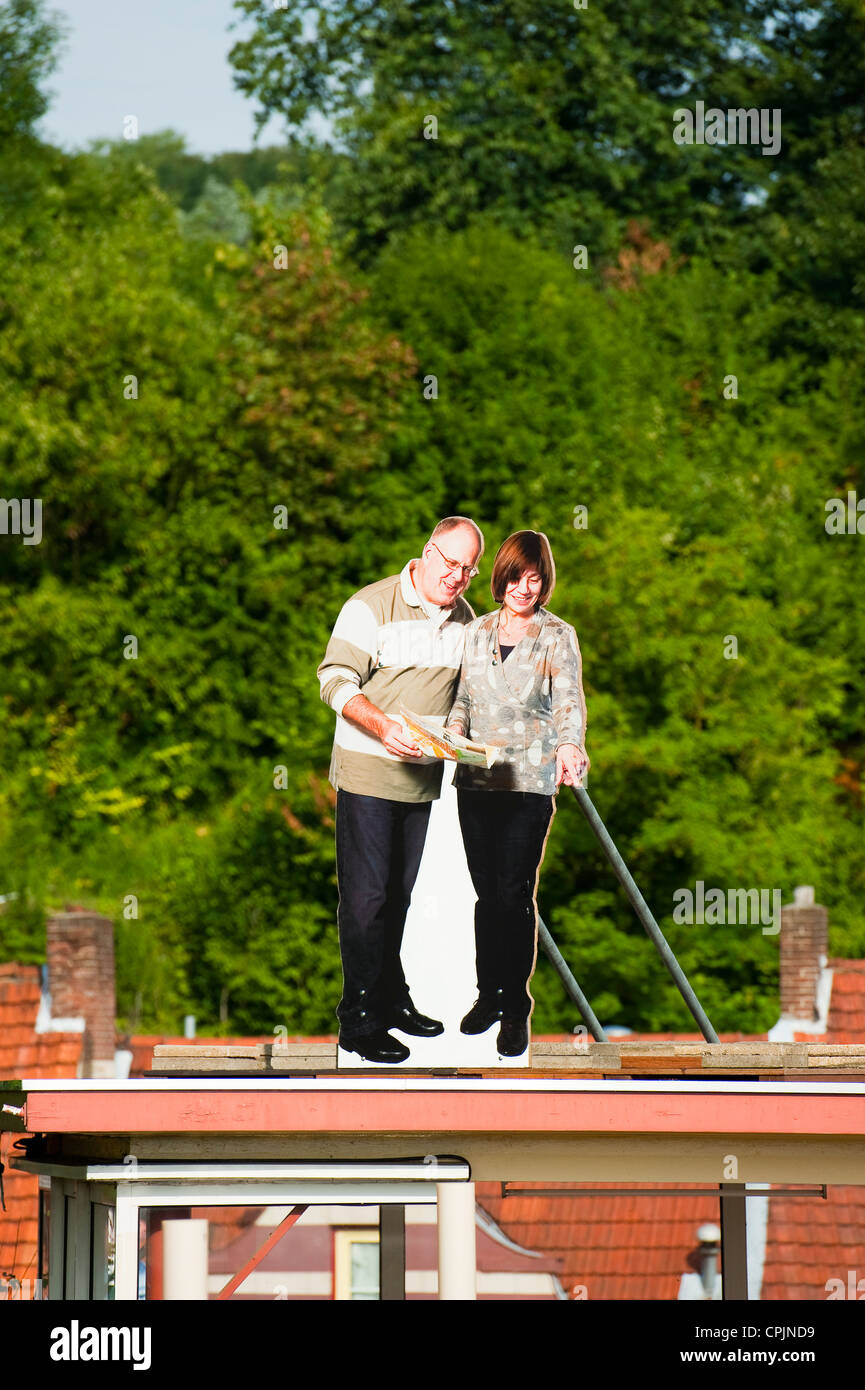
[420, 1105]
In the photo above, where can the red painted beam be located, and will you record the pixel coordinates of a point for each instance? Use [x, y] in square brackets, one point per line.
[273, 1239]
[469, 1112]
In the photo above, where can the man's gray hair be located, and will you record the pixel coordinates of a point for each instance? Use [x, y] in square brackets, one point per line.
[451, 522]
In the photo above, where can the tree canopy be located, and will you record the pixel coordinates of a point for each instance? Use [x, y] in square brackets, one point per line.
[243, 387]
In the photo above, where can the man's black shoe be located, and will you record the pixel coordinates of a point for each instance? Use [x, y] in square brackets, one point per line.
[376, 1047]
[481, 1016]
[408, 1020]
[513, 1037]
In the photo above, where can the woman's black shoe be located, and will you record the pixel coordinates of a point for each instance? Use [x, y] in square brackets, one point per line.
[408, 1020]
[481, 1016]
[376, 1047]
[513, 1037]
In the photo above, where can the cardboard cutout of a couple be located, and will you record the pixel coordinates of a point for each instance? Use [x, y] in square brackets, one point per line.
[453, 735]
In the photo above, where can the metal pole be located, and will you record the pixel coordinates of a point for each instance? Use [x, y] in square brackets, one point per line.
[641, 908]
[391, 1251]
[575, 994]
[734, 1242]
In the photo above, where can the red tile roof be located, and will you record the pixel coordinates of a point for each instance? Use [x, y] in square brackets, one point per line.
[811, 1241]
[24, 1052]
[609, 1247]
[847, 1005]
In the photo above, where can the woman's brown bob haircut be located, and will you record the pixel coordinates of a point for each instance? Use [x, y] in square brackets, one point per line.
[524, 550]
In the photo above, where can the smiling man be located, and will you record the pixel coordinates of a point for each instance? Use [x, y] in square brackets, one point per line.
[398, 641]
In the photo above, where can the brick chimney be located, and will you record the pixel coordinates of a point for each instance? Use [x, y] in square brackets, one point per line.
[80, 959]
[804, 939]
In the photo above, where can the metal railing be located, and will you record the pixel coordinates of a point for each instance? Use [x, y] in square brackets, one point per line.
[641, 908]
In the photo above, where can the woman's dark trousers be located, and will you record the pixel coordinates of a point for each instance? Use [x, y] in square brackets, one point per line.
[504, 835]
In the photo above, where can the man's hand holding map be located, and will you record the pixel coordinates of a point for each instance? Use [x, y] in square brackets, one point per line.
[438, 744]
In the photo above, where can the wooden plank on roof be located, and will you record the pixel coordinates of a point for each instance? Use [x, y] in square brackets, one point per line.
[577, 1058]
[254, 1066]
[261, 1049]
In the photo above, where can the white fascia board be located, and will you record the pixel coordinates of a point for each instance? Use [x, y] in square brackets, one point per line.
[453, 1084]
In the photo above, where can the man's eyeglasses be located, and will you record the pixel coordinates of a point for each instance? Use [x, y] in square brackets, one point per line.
[454, 565]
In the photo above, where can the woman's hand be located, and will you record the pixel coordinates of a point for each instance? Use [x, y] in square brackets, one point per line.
[571, 763]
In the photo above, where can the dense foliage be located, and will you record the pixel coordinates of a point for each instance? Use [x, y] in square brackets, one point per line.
[217, 377]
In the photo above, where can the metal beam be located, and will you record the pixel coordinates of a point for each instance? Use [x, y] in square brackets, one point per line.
[508, 1191]
[734, 1242]
[391, 1253]
[641, 908]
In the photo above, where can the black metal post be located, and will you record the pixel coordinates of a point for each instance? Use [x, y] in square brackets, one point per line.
[641, 908]
[734, 1242]
[391, 1251]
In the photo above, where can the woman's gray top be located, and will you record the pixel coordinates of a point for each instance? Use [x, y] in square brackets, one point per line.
[525, 706]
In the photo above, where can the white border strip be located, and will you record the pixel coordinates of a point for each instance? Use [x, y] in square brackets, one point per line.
[203, 1171]
[150, 1085]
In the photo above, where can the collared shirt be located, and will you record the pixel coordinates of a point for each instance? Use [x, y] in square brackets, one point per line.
[526, 706]
[395, 648]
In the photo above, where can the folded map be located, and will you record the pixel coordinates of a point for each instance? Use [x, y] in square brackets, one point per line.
[437, 743]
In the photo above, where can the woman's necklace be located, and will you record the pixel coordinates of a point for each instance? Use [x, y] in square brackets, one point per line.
[510, 636]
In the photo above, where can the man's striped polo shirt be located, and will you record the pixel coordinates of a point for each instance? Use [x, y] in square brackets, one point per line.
[393, 647]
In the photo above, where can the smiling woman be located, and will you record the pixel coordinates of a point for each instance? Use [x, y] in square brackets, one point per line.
[521, 692]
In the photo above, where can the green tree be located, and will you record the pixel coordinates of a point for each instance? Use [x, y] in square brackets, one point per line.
[292, 171]
[30, 45]
[218, 215]
[554, 118]
[705, 519]
[30, 39]
[181, 174]
[215, 466]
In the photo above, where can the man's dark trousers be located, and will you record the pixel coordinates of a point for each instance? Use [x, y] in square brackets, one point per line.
[379, 844]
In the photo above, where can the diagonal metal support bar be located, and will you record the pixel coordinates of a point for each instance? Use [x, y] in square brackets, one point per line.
[275, 1236]
[575, 994]
[641, 908]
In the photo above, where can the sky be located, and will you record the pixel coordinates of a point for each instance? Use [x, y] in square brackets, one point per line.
[163, 61]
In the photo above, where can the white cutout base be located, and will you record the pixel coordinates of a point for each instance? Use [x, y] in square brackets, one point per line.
[438, 952]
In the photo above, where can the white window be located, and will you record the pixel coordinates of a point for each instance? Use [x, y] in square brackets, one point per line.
[355, 1264]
